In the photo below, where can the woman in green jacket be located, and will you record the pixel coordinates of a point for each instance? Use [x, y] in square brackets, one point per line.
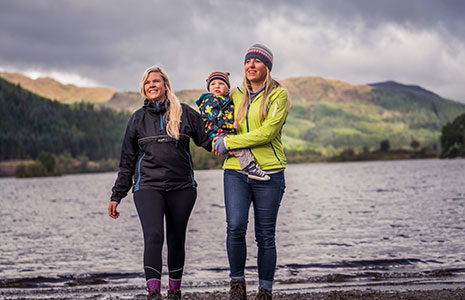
[262, 110]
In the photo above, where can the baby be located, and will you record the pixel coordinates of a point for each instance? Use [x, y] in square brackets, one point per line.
[217, 111]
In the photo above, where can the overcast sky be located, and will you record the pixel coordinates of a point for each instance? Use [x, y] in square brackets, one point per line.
[111, 43]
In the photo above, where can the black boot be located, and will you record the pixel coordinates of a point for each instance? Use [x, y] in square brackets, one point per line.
[238, 290]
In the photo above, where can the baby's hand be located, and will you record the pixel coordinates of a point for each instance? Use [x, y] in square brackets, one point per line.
[236, 125]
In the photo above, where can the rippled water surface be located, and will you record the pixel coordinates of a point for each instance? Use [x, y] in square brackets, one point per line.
[341, 225]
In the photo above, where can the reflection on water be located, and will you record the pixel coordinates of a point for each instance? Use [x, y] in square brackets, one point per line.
[341, 224]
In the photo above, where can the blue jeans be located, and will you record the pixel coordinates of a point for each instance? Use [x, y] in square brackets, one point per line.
[239, 193]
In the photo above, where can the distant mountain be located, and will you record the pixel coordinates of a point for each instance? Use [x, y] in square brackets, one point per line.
[189, 96]
[128, 101]
[317, 89]
[396, 85]
[65, 93]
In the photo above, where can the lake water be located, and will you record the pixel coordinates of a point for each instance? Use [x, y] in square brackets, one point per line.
[388, 224]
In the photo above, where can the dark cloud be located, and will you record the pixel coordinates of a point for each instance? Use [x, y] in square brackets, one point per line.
[417, 14]
[358, 41]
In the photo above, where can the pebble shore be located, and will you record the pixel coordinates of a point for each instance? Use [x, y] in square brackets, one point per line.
[442, 294]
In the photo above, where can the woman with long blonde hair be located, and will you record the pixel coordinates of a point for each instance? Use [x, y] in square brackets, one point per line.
[262, 111]
[156, 162]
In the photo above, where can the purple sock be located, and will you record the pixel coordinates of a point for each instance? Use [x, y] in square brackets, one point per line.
[153, 284]
[174, 284]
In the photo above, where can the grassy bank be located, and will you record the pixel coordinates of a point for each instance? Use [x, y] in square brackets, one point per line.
[50, 165]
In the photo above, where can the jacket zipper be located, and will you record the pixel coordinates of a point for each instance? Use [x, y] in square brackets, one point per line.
[161, 117]
[136, 186]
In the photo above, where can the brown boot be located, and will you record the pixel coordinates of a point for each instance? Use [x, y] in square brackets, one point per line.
[174, 294]
[155, 295]
[264, 294]
[238, 290]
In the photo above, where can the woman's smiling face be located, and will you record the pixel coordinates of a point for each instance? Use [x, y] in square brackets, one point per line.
[154, 87]
[255, 70]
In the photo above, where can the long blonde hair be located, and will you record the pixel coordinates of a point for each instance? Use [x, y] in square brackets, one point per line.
[270, 84]
[174, 109]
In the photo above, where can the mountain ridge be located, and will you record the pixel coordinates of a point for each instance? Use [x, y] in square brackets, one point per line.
[303, 88]
[55, 90]
[396, 85]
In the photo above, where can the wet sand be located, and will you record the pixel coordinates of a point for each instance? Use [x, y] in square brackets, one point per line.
[353, 294]
[435, 294]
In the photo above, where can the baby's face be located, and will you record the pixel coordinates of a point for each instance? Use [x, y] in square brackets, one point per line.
[218, 87]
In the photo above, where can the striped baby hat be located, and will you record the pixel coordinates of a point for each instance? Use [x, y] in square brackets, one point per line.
[220, 76]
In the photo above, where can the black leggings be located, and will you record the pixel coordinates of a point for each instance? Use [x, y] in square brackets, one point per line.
[176, 206]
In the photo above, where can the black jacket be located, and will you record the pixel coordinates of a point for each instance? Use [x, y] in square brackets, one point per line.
[151, 159]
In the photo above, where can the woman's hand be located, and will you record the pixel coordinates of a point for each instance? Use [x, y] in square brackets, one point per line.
[216, 152]
[112, 209]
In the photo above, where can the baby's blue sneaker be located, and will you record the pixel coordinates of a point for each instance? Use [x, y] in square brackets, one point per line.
[254, 172]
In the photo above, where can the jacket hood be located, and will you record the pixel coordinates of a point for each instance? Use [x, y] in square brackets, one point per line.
[203, 96]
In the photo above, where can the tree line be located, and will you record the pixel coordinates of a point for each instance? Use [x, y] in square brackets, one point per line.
[453, 138]
[31, 125]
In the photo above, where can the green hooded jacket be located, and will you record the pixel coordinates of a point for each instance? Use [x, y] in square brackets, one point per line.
[263, 137]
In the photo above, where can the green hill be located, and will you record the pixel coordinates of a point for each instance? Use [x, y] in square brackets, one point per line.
[124, 101]
[329, 115]
[65, 93]
[31, 124]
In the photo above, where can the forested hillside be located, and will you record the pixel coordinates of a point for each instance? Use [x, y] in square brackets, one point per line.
[31, 124]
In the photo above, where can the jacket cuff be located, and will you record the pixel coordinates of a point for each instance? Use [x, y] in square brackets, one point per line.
[115, 200]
